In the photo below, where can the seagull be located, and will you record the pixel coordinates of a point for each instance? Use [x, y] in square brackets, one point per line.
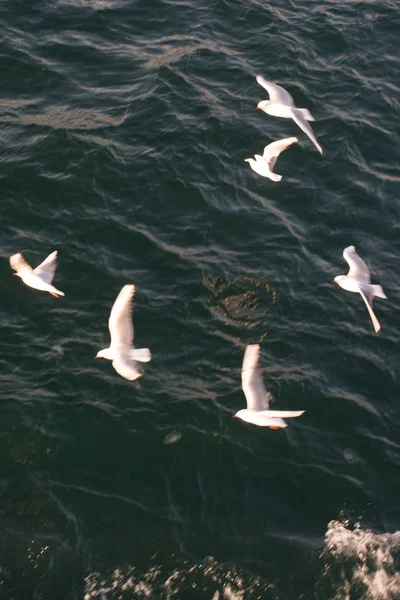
[257, 397]
[280, 104]
[358, 279]
[264, 164]
[39, 278]
[121, 350]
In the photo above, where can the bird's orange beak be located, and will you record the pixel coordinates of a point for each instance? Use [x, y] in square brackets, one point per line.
[97, 356]
[16, 274]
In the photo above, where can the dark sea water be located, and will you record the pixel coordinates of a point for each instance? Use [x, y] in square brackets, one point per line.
[124, 128]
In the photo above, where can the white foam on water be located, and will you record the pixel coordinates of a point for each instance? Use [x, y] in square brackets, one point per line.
[121, 580]
[360, 564]
[209, 580]
[230, 594]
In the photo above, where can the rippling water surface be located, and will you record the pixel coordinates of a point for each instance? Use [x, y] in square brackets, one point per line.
[124, 128]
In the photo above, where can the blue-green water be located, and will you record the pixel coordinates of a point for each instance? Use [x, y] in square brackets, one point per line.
[124, 128]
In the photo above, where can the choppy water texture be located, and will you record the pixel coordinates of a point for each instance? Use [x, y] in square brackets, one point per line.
[124, 128]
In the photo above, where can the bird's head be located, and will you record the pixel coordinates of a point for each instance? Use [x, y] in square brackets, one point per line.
[339, 279]
[251, 162]
[239, 414]
[104, 354]
[263, 105]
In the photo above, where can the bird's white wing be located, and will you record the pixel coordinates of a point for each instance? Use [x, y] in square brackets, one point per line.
[47, 268]
[272, 151]
[358, 268]
[303, 124]
[120, 321]
[368, 301]
[283, 414]
[252, 381]
[19, 264]
[127, 368]
[276, 93]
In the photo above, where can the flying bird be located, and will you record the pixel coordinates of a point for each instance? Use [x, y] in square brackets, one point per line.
[121, 351]
[358, 279]
[257, 411]
[39, 278]
[264, 164]
[280, 104]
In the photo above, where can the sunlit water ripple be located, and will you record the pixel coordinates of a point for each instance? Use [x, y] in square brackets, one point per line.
[124, 127]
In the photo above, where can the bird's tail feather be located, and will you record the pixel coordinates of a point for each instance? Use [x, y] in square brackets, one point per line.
[274, 176]
[377, 290]
[141, 354]
[306, 114]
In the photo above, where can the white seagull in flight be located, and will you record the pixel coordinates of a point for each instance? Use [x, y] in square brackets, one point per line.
[264, 164]
[121, 350]
[280, 104]
[39, 278]
[358, 279]
[257, 411]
